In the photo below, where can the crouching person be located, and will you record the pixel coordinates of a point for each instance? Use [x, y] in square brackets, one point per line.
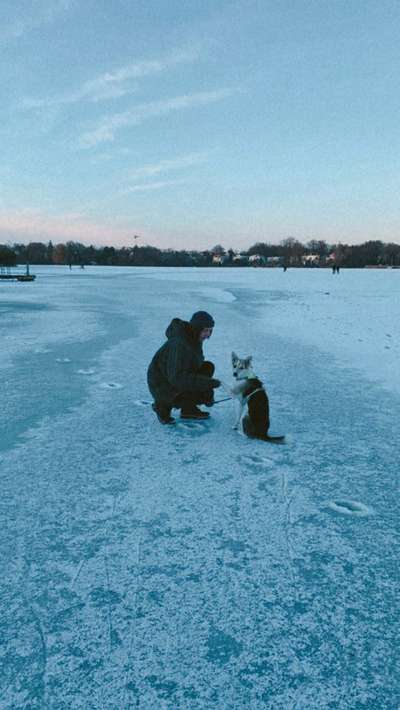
[178, 376]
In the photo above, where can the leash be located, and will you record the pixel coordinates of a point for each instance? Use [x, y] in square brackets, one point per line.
[226, 399]
[217, 401]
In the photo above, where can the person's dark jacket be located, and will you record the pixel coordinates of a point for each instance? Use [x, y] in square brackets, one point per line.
[173, 369]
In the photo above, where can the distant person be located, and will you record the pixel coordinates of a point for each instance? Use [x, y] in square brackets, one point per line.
[178, 376]
[334, 269]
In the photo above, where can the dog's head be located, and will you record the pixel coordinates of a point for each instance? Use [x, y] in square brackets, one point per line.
[241, 367]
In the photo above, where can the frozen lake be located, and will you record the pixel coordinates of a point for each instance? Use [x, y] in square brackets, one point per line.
[150, 567]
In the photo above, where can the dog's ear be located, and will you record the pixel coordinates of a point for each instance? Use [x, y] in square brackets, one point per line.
[234, 358]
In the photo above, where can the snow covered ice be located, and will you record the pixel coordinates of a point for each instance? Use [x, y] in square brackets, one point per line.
[188, 567]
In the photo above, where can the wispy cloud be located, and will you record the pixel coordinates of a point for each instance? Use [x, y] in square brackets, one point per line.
[163, 166]
[179, 163]
[43, 12]
[149, 186]
[106, 130]
[113, 84]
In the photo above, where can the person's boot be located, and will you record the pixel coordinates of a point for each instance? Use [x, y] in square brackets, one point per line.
[193, 412]
[163, 414]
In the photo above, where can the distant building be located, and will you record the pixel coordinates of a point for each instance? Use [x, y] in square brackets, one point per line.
[240, 259]
[274, 260]
[220, 259]
[257, 260]
[310, 259]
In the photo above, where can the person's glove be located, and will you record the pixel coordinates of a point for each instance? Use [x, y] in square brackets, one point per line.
[215, 383]
[208, 398]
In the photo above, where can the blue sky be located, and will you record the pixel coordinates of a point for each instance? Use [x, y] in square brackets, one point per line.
[195, 123]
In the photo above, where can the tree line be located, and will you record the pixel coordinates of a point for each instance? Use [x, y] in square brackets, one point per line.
[290, 251]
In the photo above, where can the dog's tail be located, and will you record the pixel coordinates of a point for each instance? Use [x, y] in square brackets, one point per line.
[253, 433]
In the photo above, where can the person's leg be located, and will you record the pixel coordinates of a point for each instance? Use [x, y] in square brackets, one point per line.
[163, 412]
[187, 402]
[207, 369]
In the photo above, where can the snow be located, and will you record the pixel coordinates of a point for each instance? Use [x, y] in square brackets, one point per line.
[188, 567]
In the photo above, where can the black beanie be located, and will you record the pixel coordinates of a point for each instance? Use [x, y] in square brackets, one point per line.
[200, 320]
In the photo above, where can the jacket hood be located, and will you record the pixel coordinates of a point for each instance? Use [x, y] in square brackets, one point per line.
[179, 328]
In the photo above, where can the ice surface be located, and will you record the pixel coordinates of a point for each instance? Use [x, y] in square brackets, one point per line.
[188, 567]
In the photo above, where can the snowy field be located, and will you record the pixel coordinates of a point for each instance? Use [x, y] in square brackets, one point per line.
[188, 567]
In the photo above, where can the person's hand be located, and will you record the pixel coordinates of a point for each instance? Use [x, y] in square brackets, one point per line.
[208, 399]
[215, 383]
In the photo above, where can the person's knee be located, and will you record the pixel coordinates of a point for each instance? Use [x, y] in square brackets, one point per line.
[185, 399]
[208, 368]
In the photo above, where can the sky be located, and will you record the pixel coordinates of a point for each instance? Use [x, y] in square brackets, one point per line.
[197, 123]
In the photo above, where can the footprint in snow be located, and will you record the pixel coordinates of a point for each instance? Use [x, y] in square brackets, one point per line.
[345, 506]
[195, 458]
[142, 403]
[111, 385]
[192, 426]
[63, 359]
[256, 463]
[90, 371]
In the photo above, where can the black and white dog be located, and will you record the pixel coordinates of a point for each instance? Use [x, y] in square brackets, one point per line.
[250, 391]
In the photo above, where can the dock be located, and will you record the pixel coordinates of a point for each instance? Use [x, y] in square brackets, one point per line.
[7, 275]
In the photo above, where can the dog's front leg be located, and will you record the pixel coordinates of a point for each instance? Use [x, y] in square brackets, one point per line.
[226, 387]
[239, 415]
[236, 391]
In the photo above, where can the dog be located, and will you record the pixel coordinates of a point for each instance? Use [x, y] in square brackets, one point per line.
[250, 391]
